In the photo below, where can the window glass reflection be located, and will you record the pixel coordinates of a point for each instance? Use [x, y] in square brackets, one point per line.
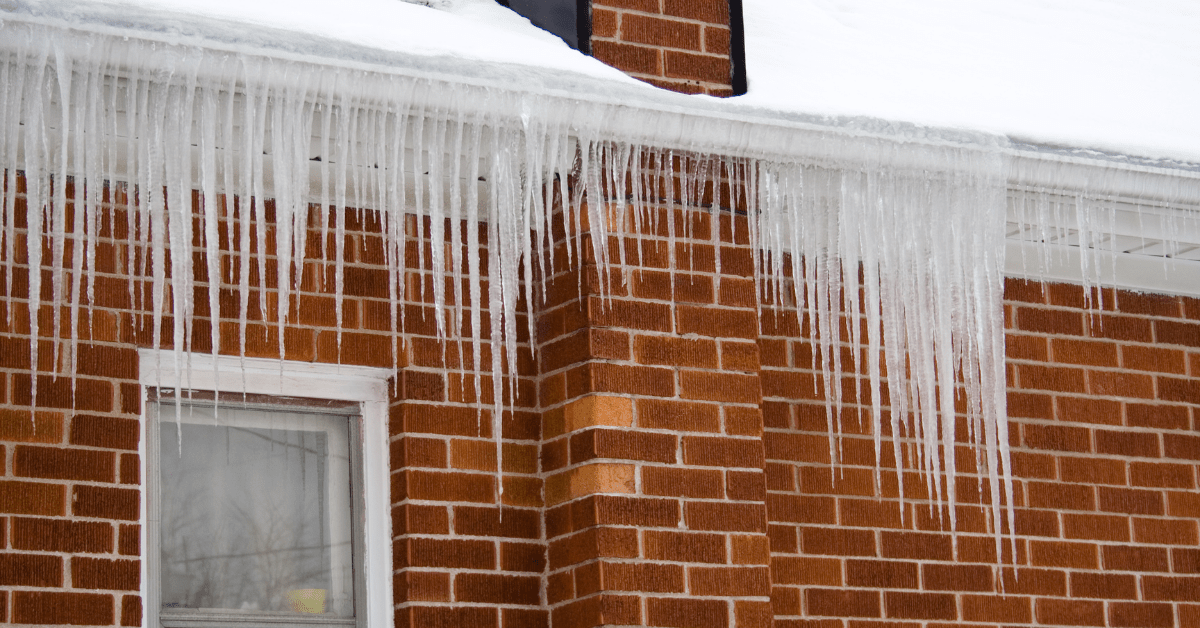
[255, 511]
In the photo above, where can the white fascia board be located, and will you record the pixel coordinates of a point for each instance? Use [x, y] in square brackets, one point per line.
[368, 386]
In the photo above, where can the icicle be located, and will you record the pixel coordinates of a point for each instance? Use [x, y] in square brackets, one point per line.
[921, 222]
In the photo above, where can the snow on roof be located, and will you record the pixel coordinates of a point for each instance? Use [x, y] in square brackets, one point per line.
[1119, 76]
[1115, 75]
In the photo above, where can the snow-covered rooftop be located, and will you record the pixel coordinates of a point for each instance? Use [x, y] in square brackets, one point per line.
[1121, 76]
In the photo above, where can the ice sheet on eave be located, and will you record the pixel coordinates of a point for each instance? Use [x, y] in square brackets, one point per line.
[1119, 76]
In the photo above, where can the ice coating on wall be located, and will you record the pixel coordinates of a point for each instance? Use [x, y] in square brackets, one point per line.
[186, 130]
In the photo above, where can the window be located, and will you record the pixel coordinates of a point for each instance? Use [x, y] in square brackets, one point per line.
[266, 507]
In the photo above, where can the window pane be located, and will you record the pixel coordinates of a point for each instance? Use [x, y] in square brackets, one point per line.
[255, 509]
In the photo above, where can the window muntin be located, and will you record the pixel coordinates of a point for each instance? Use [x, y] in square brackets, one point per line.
[255, 512]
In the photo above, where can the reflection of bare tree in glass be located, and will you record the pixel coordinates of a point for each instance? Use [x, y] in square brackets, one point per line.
[242, 543]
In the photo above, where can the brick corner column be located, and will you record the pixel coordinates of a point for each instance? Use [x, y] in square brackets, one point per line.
[652, 446]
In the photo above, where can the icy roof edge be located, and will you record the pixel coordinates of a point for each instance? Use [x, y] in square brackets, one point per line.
[700, 122]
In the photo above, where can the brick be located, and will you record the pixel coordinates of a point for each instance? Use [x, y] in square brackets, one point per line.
[131, 610]
[721, 387]
[60, 535]
[40, 426]
[723, 452]
[1157, 416]
[1061, 496]
[936, 577]
[686, 612]
[131, 469]
[749, 549]
[728, 581]
[416, 519]
[678, 416]
[684, 546]
[1057, 438]
[591, 544]
[1057, 378]
[53, 607]
[716, 322]
[1155, 359]
[636, 511]
[1098, 527]
[422, 586]
[1162, 475]
[915, 545]
[1089, 410]
[629, 380]
[1165, 531]
[902, 605]
[497, 588]
[1178, 389]
[1063, 554]
[1084, 352]
[1127, 443]
[477, 616]
[680, 482]
[422, 452]
[1035, 582]
[32, 498]
[129, 541]
[88, 395]
[451, 554]
[64, 464]
[458, 487]
[1131, 501]
[879, 574]
[1177, 333]
[622, 445]
[843, 603]
[1185, 560]
[589, 479]
[1134, 558]
[1140, 615]
[804, 570]
[1092, 470]
[645, 29]
[527, 557]
[31, 570]
[700, 67]
[801, 508]
[1050, 321]
[725, 517]
[1069, 612]
[671, 351]
[992, 608]
[642, 577]
[489, 521]
[1117, 384]
[1103, 585]
[1172, 589]
[837, 541]
[100, 573]
[1183, 447]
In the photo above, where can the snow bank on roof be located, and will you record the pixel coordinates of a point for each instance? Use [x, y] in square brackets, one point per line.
[480, 30]
[1117, 75]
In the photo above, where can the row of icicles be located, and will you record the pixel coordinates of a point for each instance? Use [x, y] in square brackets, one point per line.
[924, 225]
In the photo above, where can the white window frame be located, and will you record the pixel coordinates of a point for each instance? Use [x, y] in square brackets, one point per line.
[366, 386]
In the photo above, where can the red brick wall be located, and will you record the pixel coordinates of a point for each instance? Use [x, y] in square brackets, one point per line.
[646, 481]
[1104, 421]
[69, 498]
[680, 45]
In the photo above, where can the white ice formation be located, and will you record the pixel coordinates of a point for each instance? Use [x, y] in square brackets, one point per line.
[921, 214]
